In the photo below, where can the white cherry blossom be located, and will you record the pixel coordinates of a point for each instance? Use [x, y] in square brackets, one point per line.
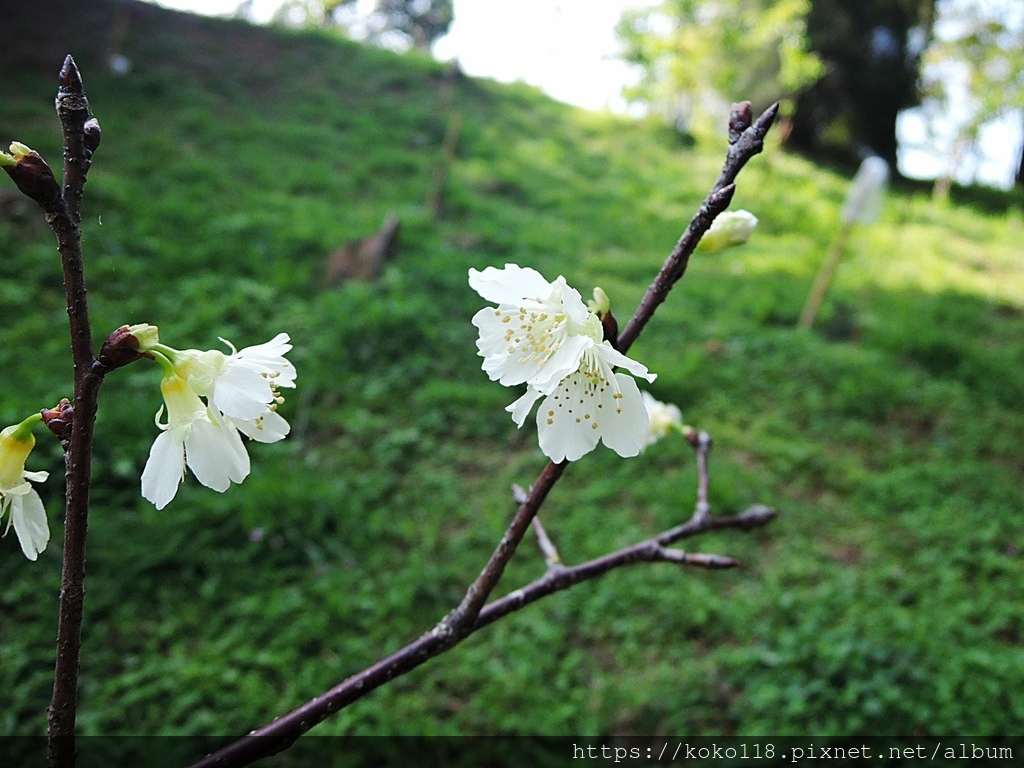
[591, 404]
[197, 435]
[538, 332]
[242, 385]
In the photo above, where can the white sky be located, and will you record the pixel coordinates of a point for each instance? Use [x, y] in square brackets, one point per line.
[568, 48]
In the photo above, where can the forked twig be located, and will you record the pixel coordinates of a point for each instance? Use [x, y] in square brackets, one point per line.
[652, 550]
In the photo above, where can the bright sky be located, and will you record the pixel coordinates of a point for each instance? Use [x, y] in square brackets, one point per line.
[565, 47]
[568, 48]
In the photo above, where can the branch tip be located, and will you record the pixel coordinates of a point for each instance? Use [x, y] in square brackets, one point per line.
[758, 515]
[767, 118]
[70, 78]
[720, 200]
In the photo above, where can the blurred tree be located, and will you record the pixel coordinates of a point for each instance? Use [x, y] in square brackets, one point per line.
[697, 56]
[851, 66]
[1019, 178]
[394, 23]
[872, 53]
[974, 74]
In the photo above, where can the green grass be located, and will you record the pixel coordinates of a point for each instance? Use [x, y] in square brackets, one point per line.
[885, 600]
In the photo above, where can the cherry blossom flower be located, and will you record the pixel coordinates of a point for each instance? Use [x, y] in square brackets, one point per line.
[591, 404]
[197, 435]
[538, 332]
[17, 497]
[664, 418]
[242, 385]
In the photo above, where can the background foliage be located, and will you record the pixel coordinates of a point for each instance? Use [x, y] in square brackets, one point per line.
[884, 600]
[975, 71]
[695, 56]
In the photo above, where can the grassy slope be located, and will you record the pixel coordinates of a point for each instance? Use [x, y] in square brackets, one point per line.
[885, 600]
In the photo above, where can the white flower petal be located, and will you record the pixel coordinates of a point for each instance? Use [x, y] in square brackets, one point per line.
[269, 358]
[509, 285]
[491, 340]
[564, 361]
[520, 409]
[275, 348]
[215, 454]
[29, 519]
[568, 420]
[615, 358]
[18, 490]
[590, 405]
[164, 469]
[625, 428]
[268, 428]
[570, 300]
[242, 392]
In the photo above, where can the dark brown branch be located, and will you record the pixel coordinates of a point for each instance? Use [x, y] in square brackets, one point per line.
[749, 142]
[460, 621]
[64, 219]
[650, 551]
[283, 732]
[466, 618]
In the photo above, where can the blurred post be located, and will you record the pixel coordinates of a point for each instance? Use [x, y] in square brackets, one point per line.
[862, 206]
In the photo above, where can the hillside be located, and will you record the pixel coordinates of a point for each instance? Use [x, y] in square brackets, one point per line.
[885, 600]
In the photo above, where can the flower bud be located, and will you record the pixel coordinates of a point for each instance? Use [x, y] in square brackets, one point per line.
[740, 119]
[600, 303]
[31, 173]
[91, 134]
[730, 228]
[127, 344]
[59, 420]
[663, 418]
[691, 436]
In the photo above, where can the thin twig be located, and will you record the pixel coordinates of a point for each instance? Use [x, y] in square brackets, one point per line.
[73, 111]
[750, 141]
[551, 557]
[701, 446]
[460, 621]
[466, 618]
[653, 550]
[547, 547]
